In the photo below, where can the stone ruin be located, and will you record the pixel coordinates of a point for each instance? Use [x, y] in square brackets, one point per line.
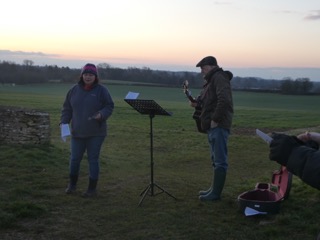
[24, 126]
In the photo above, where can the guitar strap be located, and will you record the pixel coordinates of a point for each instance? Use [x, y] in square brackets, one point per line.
[204, 92]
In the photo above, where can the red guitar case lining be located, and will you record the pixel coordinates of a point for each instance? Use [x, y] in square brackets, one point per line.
[267, 197]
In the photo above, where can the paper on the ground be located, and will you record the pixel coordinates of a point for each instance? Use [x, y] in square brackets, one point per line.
[65, 131]
[250, 212]
[132, 95]
[264, 136]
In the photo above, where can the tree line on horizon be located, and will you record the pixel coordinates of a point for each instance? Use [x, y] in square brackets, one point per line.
[12, 73]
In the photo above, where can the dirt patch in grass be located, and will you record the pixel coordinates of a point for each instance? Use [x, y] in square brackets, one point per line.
[292, 131]
[252, 131]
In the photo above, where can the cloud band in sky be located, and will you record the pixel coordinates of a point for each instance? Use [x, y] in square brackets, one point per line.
[4, 53]
[314, 15]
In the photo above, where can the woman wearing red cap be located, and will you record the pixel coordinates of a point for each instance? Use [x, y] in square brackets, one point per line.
[87, 107]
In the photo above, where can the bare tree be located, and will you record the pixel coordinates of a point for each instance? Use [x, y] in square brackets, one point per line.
[104, 66]
[28, 63]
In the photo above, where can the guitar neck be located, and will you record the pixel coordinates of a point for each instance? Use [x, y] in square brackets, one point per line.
[189, 96]
[191, 99]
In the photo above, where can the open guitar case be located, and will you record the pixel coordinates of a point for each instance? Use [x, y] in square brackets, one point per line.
[267, 197]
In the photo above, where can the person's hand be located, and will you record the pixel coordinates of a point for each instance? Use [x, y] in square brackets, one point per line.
[304, 136]
[97, 116]
[193, 104]
[311, 139]
[213, 124]
[281, 147]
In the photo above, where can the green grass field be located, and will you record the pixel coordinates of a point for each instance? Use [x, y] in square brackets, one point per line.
[33, 204]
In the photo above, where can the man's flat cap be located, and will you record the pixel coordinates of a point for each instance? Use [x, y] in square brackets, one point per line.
[207, 61]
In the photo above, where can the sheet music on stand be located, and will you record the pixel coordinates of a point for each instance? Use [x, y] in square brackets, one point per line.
[147, 106]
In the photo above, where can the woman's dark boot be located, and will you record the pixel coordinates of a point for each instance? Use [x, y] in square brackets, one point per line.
[91, 192]
[72, 186]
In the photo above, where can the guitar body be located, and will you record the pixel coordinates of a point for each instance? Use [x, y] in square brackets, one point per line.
[196, 117]
[197, 112]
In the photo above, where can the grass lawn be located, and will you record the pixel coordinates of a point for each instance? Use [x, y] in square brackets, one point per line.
[33, 204]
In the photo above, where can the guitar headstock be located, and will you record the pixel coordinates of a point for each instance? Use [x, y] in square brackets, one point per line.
[186, 90]
[185, 85]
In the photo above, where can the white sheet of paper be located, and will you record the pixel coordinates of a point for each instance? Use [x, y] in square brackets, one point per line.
[250, 212]
[65, 131]
[264, 136]
[132, 95]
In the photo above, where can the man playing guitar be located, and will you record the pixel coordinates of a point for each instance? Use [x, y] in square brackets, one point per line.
[215, 119]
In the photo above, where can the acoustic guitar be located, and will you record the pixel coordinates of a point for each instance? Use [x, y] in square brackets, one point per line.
[197, 112]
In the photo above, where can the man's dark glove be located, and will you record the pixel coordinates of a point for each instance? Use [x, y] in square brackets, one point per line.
[281, 147]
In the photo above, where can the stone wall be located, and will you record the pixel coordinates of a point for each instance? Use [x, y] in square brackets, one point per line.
[23, 126]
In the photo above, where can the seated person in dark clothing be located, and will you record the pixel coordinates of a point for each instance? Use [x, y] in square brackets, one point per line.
[300, 154]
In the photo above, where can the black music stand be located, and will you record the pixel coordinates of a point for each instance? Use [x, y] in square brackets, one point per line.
[151, 108]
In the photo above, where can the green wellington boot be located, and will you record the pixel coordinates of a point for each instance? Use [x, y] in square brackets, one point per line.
[219, 179]
[205, 192]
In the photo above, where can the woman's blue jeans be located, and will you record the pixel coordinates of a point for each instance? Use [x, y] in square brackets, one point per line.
[78, 147]
[218, 140]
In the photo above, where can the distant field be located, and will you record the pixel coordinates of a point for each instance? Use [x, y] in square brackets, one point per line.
[251, 109]
[33, 204]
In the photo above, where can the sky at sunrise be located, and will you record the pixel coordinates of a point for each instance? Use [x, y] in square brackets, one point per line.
[266, 38]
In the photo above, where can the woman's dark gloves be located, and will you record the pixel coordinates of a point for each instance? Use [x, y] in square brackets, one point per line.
[281, 147]
[312, 144]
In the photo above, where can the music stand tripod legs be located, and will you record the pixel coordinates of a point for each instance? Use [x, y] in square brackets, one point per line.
[150, 188]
